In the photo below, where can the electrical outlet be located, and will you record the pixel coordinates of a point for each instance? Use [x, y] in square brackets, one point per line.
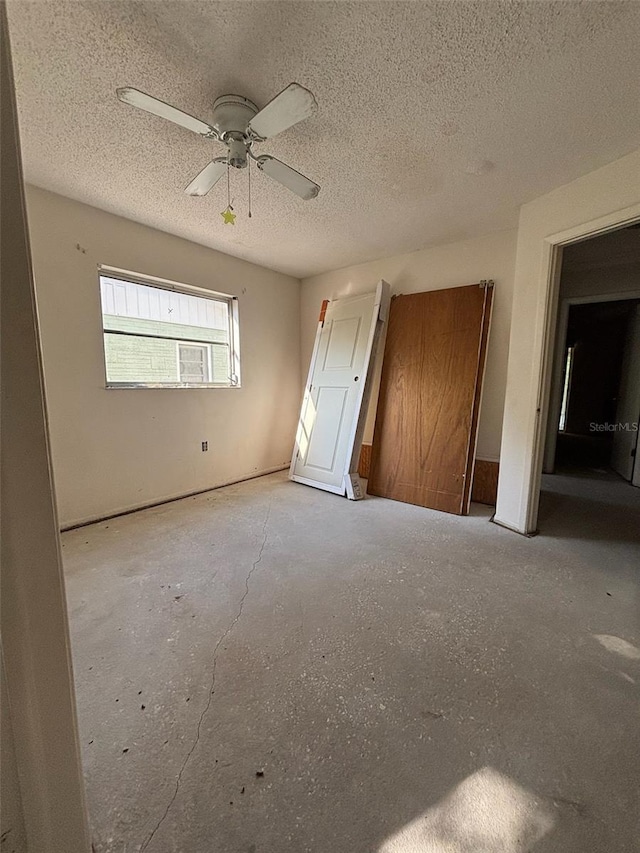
[205, 446]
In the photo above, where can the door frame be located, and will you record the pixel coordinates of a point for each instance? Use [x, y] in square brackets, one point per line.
[549, 283]
[36, 649]
[596, 202]
[555, 398]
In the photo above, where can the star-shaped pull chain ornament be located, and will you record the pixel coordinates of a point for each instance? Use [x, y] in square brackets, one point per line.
[229, 216]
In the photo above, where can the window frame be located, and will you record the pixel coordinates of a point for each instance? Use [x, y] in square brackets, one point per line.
[178, 287]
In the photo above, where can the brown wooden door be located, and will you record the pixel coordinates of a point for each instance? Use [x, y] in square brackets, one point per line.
[426, 423]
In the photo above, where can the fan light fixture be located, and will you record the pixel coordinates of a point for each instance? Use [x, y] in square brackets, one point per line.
[239, 125]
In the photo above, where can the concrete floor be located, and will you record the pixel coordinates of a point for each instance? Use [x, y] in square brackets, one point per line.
[269, 668]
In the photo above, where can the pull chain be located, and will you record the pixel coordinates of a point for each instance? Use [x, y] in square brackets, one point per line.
[228, 184]
[249, 187]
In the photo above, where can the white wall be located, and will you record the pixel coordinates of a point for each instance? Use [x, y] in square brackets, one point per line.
[451, 265]
[118, 449]
[592, 203]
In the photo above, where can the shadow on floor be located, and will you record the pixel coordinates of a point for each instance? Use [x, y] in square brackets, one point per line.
[589, 503]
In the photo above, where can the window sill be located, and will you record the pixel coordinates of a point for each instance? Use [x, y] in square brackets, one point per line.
[124, 386]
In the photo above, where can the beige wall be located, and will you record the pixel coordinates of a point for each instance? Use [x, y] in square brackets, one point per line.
[451, 265]
[118, 449]
[11, 813]
[591, 204]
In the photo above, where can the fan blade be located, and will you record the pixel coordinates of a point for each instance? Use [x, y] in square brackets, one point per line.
[207, 178]
[139, 99]
[288, 177]
[292, 105]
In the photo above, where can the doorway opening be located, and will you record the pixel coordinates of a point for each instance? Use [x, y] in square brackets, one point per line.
[594, 407]
[597, 428]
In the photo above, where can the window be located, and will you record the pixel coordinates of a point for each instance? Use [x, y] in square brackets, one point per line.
[194, 362]
[566, 389]
[160, 334]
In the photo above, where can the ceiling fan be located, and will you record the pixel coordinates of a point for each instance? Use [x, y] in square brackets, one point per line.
[238, 124]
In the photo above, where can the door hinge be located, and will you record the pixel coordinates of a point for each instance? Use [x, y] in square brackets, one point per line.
[486, 282]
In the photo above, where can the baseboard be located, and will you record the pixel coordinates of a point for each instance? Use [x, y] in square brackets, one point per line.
[511, 528]
[94, 519]
[485, 476]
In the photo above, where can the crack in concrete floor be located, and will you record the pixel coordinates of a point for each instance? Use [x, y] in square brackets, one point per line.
[212, 685]
[396, 616]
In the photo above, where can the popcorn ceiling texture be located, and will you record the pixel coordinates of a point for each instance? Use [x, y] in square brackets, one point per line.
[436, 120]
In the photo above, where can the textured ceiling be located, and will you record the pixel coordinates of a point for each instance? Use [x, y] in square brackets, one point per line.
[435, 122]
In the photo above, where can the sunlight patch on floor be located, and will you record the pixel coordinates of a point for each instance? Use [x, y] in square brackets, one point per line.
[618, 646]
[486, 812]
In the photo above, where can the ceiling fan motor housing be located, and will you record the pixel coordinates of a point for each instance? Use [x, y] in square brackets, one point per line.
[237, 148]
[232, 114]
[231, 117]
